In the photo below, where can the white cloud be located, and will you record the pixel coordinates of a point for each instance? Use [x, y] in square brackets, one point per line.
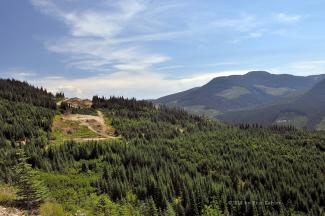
[97, 39]
[250, 35]
[244, 23]
[130, 84]
[244, 27]
[255, 34]
[287, 19]
[247, 26]
[197, 66]
[302, 68]
[110, 38]
[144, 85]
[18, 73]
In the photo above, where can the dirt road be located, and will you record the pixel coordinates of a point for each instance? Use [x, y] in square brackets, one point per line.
[94, 123]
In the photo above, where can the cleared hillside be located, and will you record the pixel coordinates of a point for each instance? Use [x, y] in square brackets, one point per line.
[81, 128]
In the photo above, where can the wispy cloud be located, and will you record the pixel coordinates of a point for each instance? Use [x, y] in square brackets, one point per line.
[18, 73]
[243, 23]
[105, 22]
[251, 35]
[243, 27]
[111, 42]
[247, 26]
[287, 18]
[197, 66]
[99, 40]
[112, 35]
[112, 39]
[303, 68]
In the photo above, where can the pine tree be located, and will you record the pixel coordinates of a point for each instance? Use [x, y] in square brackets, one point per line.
[170, 210]
[31, 189]
[152, 209]
[212, 209]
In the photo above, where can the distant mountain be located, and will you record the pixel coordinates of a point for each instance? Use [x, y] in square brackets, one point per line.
[241, 92]
[307, 110]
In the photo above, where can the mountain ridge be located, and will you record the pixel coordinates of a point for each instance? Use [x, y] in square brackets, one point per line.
[241, 92]
[310, 106]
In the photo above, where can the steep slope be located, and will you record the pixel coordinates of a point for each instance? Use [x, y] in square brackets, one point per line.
[18, 91]
[241, 92]
[26, 112]
[307, 110]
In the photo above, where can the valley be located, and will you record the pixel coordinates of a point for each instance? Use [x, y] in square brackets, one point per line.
[131, 157]
[257, 97]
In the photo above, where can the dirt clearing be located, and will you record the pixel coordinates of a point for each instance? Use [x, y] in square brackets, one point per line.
[80, 127]
[94, 123]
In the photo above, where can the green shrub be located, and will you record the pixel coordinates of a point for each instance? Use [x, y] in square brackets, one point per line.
[7, 194]
[51, 209]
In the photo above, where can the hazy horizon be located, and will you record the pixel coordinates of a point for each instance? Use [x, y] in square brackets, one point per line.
[107, 95]
[147, 49]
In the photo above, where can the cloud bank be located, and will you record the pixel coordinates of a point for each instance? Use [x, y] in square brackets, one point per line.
[129, 84]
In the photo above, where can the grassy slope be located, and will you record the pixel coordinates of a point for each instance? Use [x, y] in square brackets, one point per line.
[64, 130]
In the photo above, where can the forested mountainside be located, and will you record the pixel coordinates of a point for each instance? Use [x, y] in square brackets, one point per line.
[17, 91]
[162, 161]
[307, 110]
[26, 112]
[241, 92]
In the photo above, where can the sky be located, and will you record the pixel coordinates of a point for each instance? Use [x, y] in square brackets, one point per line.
[151, 48]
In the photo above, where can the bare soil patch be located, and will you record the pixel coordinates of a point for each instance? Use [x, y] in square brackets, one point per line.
[94, 123]
[9, 211]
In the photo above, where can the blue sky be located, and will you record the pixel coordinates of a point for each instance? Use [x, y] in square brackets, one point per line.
[150, 48]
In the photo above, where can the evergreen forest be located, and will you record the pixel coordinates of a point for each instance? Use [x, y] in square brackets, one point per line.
[162, 161]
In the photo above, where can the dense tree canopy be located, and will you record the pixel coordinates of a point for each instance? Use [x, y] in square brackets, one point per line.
[168, 162]
[14, 90]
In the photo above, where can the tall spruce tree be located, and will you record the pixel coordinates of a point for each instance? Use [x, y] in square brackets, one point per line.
[31, 189]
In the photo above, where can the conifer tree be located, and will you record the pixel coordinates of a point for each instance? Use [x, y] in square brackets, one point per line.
[31, 189]
[169, 210]
[152, 211]
[211, 210]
